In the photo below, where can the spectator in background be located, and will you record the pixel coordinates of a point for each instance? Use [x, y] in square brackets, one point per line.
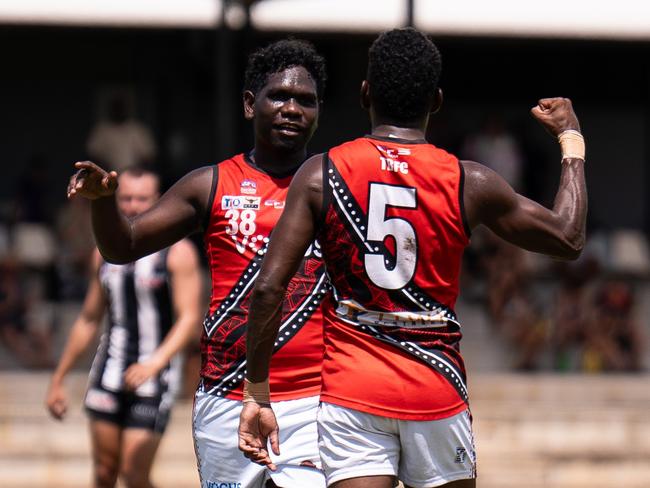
[31, 200]
[32, 250]
[120, 141]
[30, 345]
[573, 312]
[497, 149]
[513, 309]
[613, 339]
[503, 264]
[76, 245]
[525, 325]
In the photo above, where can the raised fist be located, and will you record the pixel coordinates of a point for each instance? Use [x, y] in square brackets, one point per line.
[556, 115]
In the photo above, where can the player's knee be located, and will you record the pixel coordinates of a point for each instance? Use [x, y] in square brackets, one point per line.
[135, 477]
[105, 475]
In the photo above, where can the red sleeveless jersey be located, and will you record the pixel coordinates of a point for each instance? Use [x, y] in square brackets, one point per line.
[393, 240]
[247, 204]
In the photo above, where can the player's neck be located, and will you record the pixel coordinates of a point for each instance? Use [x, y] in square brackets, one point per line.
[275, 162]
[396, 132]
[385, 127]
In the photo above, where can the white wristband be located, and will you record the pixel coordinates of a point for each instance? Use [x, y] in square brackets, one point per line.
[572, 144]
[257, 392]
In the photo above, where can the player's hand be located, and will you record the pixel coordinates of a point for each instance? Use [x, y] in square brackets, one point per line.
[556, 115]
[138, 373]
[91, 181]
[258, 427]
[56, 401]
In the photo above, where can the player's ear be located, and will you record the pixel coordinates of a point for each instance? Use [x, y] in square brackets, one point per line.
[437, 101]
[365, 95]
[249, 104]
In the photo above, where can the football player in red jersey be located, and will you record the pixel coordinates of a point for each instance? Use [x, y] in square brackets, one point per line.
[236, 204]
[393, 214]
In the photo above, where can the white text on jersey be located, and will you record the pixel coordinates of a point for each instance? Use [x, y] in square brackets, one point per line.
[388, 164]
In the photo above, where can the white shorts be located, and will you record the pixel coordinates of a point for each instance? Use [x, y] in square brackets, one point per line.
[222, 465]
[421, 454]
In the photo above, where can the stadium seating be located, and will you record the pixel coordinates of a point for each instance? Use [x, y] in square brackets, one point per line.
[38, 451]
[533, 431]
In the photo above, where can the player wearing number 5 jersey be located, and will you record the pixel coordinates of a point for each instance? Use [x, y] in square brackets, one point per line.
[393, 214]
[378, 231]
[236, 205]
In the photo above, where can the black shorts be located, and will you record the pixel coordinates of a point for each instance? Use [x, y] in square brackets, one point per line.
[127, 409]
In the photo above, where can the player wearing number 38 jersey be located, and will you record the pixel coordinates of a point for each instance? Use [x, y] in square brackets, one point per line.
[246, 206]
[236, 205]
[393, 239]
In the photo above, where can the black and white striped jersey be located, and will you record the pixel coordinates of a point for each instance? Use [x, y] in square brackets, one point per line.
[139, 317]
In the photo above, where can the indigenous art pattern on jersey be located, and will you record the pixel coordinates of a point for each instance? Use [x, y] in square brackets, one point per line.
[393, 248]
[246, 207]
[432, 334]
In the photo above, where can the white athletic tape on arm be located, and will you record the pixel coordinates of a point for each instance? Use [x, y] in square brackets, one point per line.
[257, 392]
[572, 144]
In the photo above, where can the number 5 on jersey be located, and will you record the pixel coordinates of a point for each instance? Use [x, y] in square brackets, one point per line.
[380, 197]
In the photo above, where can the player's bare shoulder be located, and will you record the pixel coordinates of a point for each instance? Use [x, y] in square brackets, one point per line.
[197, 184]
[307, 184]
[311, 173]
[476, 174]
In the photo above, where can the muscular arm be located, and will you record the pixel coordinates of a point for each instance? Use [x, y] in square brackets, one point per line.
[291, 237]
[186, 293]
[178, 213]
[81, 335]
[558, 232]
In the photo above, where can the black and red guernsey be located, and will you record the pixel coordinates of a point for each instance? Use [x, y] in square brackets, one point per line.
[393, 240]
[246, 206]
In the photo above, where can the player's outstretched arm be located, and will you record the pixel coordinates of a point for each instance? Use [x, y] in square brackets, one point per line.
[81, 335]
[558, 232]
[291, 237]
[178, 213]
[186, 290]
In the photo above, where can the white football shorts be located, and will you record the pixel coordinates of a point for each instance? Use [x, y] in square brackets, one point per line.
[222, 465]
[422, 454]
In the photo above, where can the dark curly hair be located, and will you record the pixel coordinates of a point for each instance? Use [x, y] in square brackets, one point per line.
[281, 55]
[403, 71]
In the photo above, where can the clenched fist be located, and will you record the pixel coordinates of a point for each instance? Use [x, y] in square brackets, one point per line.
[556, 115]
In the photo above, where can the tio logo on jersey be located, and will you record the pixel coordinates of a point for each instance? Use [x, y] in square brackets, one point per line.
[240, 202]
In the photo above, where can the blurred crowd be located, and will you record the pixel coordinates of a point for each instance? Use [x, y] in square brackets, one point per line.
[46, 242]
[579, 316]
[552, 315]
[561, 316]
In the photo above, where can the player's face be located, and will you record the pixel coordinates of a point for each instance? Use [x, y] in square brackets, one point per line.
[135, 194]
[285, 110]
